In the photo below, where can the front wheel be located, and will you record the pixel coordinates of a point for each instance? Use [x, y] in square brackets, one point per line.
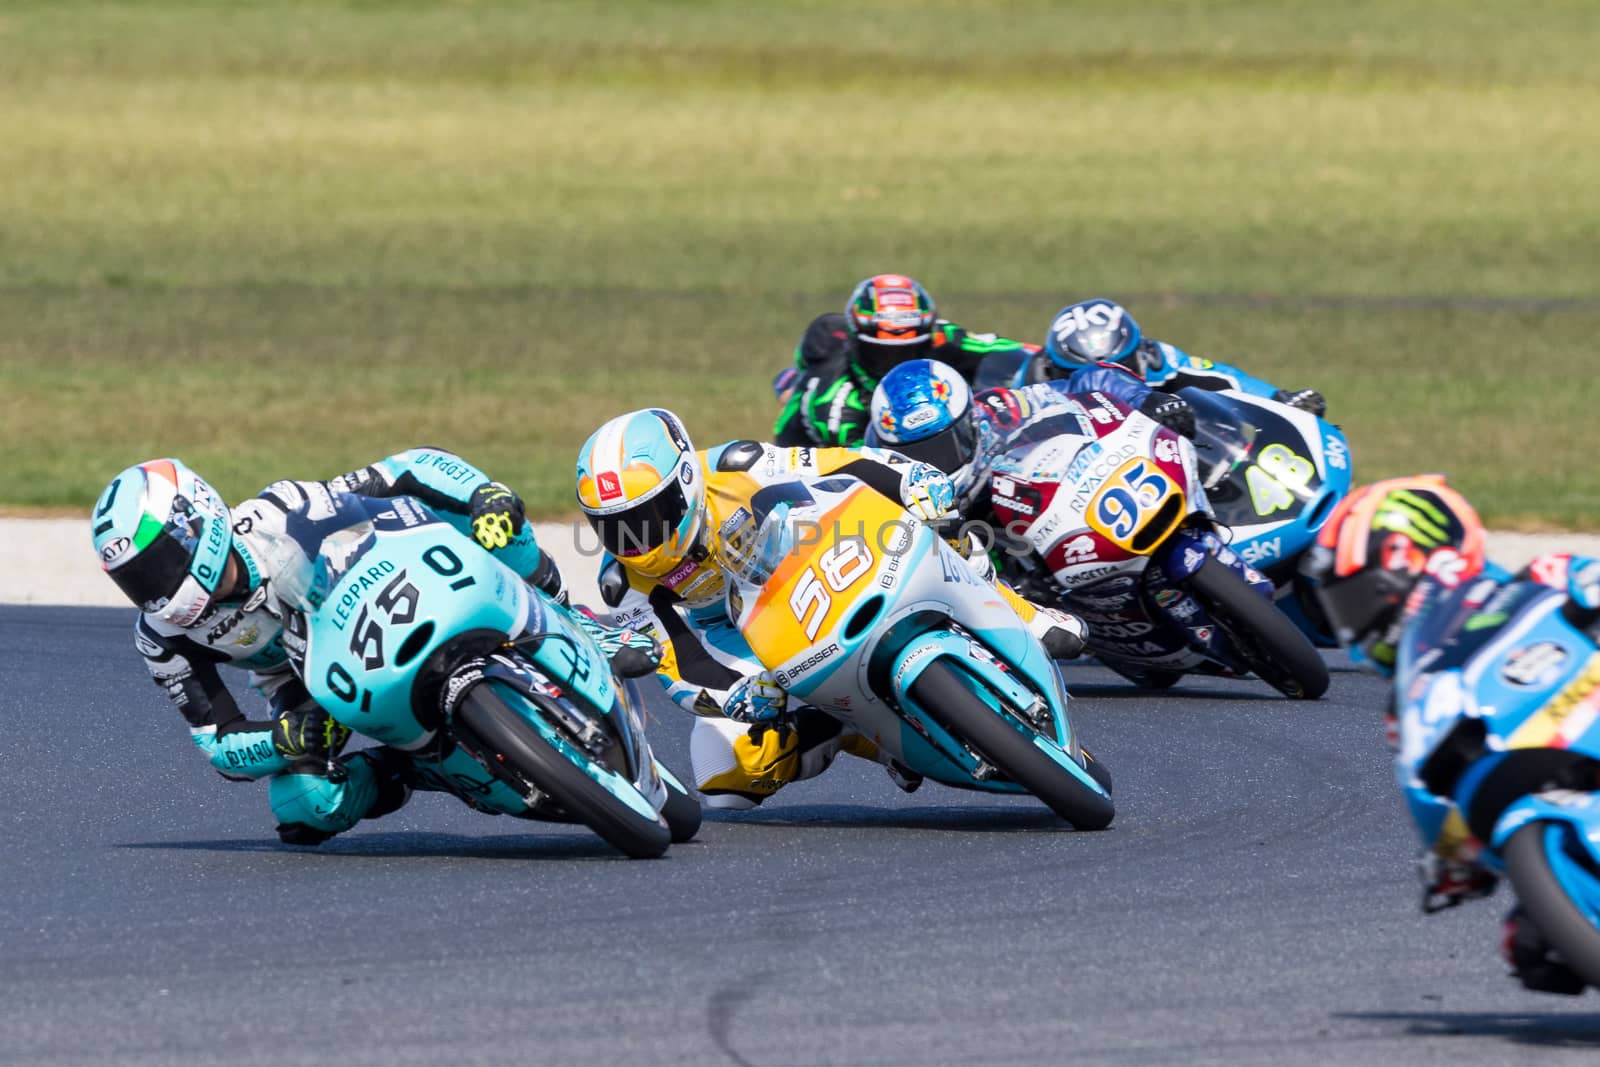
[949, 701]
[1559, 886]
[593, 793]
[1274, 647]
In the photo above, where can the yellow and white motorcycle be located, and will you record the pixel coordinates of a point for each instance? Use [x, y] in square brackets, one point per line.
[862, 611]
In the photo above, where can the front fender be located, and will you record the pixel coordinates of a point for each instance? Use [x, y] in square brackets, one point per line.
[1579, 810]
[976, 660]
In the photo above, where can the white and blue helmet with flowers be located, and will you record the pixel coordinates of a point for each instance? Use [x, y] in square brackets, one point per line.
[923, 410]
[163, 535]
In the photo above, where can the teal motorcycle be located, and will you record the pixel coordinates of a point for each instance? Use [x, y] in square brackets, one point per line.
[409, 633]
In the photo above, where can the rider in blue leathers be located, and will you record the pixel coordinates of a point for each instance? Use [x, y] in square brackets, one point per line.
[1400, 571]
[202, 575]
[924, 409]
[1102, 331]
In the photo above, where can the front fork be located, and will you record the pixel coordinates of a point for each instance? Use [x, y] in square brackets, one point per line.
[1166, 588]
[1041, 715]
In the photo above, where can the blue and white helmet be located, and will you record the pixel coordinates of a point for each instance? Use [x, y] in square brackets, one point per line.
[163, 535]
[1089, 332]
[923, 410]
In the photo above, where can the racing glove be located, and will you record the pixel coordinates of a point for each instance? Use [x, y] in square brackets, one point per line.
[497, 515]
[1173, 412]
[756, 699]
[927, 493]
[309, 738]
[1304, 399]
[971, 548]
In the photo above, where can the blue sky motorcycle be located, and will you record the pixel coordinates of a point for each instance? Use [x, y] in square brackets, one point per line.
[1498, 698]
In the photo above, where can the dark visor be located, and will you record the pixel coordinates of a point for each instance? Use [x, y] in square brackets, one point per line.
[950, 449]
[156, 573]
[879, 359]
[645, 526]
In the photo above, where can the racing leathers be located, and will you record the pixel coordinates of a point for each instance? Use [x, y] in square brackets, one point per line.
[1457, 620]
[1435, 619]
[828, 396]
[246, 632]
[706, 657]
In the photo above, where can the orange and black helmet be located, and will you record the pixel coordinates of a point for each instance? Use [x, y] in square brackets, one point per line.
[891, 319]
[1377, 545]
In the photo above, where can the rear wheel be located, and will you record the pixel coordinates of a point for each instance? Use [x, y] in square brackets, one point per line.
[515, 745]
[1273, 646]
[949, 701]
[1559, 887]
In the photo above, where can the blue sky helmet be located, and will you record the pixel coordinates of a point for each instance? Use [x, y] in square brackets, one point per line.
[1091, 331]
[163, 535]
[923, 410]
[640, 484]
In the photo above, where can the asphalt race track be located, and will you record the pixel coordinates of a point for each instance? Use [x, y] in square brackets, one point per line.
[1253, 903]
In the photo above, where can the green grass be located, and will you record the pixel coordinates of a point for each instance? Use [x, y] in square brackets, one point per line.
[281, 239]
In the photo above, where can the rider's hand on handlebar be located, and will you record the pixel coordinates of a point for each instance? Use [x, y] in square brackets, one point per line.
[1304, 399]
[312, 735]
[927, 493]
[497, 515]
[757, 698]
[1173, 412]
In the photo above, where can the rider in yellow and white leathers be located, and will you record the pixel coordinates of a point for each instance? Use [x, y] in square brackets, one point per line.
[659, 508]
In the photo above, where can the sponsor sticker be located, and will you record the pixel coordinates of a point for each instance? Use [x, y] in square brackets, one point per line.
[1535, 665]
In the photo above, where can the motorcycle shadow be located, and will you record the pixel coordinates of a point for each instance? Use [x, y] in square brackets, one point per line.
[1248, 691]
[403, 844]
[951, 818]
[1520, 1027]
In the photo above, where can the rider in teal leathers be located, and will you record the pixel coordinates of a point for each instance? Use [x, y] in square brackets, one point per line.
[202, 575]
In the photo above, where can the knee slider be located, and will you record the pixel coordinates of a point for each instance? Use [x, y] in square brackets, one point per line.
[323, 803]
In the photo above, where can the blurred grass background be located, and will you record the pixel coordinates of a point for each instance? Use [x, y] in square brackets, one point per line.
[283, 239]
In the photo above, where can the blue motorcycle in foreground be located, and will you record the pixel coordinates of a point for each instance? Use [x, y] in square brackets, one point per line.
[1499, 708]
[416, 637]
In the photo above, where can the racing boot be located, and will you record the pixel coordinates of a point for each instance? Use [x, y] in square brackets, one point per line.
[907, 779]
[1062, 635]
[1533, 961]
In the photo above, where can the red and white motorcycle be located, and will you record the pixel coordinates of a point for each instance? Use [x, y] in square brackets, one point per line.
[1104, 512]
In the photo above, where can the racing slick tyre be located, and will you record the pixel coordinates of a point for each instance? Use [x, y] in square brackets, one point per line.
[1548, 869]
[682, 812]
[949, 702]
[515, 745]
[1097, 770]
[1276, 650]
